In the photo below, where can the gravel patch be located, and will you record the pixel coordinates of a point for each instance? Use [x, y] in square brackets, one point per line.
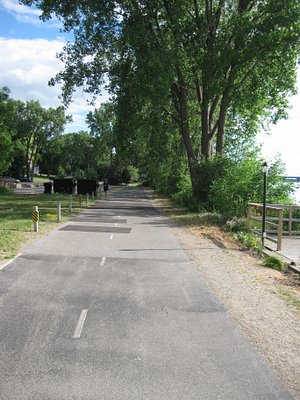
[254, 297]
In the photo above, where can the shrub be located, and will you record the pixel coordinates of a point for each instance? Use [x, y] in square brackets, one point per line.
[5, 191]
[208, 218]
[242, 183]
[249, 240]
[184, 193]
[274, 263]
[237, 225]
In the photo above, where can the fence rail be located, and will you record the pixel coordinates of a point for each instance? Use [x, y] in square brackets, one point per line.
[252, 207]
[285, 217]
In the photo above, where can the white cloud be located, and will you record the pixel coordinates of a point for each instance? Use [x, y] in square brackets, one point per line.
[284, 140]
[19, 9]
[285, 137]
[26, 67]
[27, 14]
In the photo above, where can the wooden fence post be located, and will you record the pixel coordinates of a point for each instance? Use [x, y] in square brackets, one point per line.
[249, 215]
[290, 221]
[280, 229]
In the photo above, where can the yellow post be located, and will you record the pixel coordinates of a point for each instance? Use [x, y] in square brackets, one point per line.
[35, 218]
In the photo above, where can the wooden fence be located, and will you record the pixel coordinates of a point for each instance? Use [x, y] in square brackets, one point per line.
[284, 222]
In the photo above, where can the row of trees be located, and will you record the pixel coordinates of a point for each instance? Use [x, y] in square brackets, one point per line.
[188, 78]
[86, 154]
[31, 135]
[234, 178]
[25, 128]
[191, 83]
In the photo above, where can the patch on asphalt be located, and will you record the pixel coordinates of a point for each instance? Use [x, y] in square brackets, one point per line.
[88, 228]
[123, 207]
[91, 218]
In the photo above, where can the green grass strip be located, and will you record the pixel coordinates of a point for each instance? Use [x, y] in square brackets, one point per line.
[16, 225]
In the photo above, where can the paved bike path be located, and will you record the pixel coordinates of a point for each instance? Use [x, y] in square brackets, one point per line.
[109, 307]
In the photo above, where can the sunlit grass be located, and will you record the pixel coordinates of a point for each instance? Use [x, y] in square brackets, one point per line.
[290, 298]
[183, 217]
[16, 226]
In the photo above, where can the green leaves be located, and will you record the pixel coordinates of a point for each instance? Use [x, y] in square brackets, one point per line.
[199, 69]
[25, 128]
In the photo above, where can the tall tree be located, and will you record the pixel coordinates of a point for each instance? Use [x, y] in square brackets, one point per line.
[199, 59]
[35, 125]
[7, 129]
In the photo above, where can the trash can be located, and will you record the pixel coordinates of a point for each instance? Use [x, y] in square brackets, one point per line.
[65, 186]
[48, 187]
[85, 186]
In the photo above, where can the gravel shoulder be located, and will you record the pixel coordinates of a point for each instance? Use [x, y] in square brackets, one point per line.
[257, 298]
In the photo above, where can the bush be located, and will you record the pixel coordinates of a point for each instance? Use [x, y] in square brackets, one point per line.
[125, 177]
[208, 218]
[249, 240]
[237, 225]
[209, 171]
[242, 183]
[5, 191]
[274, 263]
[184, 193]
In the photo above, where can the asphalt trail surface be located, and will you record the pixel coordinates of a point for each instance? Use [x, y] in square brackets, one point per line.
[109, 307]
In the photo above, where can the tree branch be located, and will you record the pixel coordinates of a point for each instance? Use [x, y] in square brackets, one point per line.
[196, 8]
[199, 92]
[207, 12]
[219, 13]
[212, 111]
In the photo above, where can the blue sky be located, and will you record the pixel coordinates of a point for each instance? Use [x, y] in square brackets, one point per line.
[28, 50]
[17, 21]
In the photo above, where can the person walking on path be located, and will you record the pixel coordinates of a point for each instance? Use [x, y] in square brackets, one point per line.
[105, 188]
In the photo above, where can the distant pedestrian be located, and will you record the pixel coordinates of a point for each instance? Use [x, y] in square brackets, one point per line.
[105, 188]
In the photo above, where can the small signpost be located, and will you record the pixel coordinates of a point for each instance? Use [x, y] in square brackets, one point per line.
[35, 218]
[58, 211]
[70, 204]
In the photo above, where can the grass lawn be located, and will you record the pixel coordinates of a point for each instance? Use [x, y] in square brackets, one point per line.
[40, 179]
[16, 226]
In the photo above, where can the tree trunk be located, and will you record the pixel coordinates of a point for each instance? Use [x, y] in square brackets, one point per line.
[33, 163]
[205, 137]
[221, 122]
[185, 130]
[221, 130]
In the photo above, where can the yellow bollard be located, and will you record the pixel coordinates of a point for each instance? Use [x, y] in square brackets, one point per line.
[35, 218]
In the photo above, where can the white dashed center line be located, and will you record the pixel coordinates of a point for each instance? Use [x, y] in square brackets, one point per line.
[79, 327]
[102, 262]
[111, 236]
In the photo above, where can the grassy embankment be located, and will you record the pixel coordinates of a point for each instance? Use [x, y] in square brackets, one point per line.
[16, 226]
[210, 226]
